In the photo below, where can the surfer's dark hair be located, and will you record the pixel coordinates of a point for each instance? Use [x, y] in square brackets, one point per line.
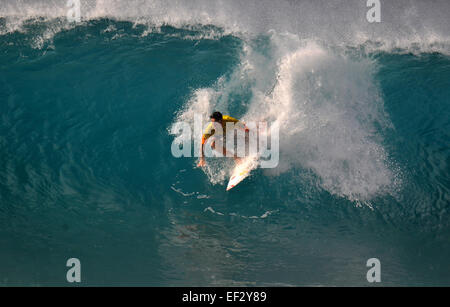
[216, 115]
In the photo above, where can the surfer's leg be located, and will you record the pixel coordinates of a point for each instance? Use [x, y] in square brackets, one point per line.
[217, 148]
[225, 152]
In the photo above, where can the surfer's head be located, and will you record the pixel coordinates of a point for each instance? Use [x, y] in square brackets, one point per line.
[216, 117]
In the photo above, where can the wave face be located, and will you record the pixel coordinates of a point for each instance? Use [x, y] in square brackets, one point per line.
[86, 167]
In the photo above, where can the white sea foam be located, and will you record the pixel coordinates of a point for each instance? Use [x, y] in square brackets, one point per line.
[411, 25]
[332, 121]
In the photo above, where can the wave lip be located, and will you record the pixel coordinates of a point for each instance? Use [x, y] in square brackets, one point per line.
[413, 26]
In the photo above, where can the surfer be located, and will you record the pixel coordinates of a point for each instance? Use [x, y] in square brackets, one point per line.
[218, 118]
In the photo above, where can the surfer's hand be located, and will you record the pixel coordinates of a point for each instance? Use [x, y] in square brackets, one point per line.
[201, 163]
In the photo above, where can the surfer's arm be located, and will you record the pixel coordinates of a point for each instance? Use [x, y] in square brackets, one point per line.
[202, 152]
[202, 149]
[237, 123]
[201, 162]
[241, 125]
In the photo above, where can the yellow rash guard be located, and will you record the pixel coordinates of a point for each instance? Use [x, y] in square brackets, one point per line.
[210, 131]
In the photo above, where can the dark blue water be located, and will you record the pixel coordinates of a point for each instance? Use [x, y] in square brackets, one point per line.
[86, 169]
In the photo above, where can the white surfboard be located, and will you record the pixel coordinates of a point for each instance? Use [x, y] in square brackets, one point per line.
[242, 171]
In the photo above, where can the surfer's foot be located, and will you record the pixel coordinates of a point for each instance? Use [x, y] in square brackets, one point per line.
[201, 163]
[237, 160]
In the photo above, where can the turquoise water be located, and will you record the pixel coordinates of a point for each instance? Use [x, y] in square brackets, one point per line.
[86, 169]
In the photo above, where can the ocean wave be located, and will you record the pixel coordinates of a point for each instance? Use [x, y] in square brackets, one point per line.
[406, 26]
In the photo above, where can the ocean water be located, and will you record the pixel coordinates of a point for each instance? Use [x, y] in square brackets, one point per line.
[86, 169]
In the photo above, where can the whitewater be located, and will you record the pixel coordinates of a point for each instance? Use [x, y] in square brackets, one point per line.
[88, 110]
